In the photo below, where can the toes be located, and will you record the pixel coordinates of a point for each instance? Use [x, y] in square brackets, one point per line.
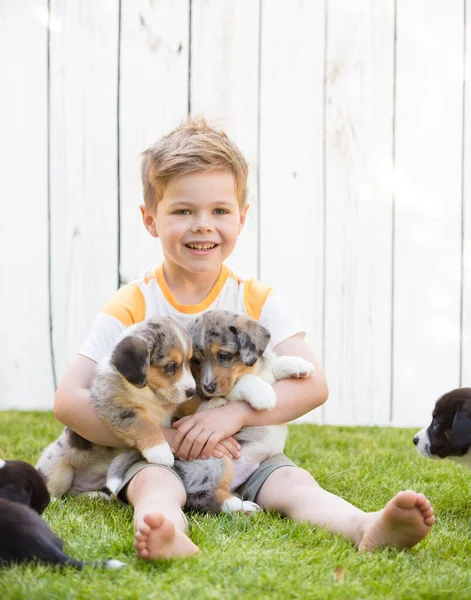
[406, 499]
[154, 520]
[143, 529]
[428, 513]
[430, 520]
[422, 501]
[140, 545]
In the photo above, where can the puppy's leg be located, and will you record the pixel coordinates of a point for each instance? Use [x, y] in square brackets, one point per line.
[286, 367]
[234, 504]
[148, 438]
[118, 468]
[228, 502]
[59, 479]
[252, 389]
[207, 484]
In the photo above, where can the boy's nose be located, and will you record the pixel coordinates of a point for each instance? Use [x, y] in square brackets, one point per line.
[202, 224]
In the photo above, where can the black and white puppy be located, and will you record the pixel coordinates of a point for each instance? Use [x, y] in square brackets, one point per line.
[24, 535]
[449, 433]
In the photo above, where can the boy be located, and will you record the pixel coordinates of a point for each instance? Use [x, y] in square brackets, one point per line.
[195, 188]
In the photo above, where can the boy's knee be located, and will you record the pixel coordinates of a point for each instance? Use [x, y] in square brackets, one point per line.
[157, 481]
[291, 478]
[284, 488]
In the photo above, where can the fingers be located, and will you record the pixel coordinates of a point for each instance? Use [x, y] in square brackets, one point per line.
[180, 435]
[178, 423]
[228, 447]
[198, 445]
[193, 443]
[186, 445]
[211, 442]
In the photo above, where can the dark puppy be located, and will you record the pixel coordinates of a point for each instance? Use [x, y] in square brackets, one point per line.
[24, 535]
[449, 433]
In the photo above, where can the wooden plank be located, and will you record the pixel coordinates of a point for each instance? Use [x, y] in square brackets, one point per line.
[224, 88]
[358, 155]
[26, 376]
[291, 159]
[84, 68]
[427, 261]
[466, 272]
[153, 100]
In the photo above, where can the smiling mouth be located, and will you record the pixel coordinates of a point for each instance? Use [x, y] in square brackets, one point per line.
[201, 247]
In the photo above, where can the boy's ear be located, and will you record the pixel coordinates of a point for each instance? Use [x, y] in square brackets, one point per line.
[252, 339]
[131, 358]
[243, 216]
[149, 220]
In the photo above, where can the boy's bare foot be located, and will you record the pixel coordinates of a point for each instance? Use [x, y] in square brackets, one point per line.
[158, 538]
[404, 521]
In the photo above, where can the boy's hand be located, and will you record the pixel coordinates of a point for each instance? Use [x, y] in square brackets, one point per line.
[228, 447]
[203, 433]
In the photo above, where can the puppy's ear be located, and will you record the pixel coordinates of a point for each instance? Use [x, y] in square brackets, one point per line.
[131, 358]
[461, 428]
[252, 339]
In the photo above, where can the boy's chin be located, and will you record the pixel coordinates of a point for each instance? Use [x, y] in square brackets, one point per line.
[205, 265]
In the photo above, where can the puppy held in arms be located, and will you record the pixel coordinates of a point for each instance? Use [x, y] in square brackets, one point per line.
[136, 389]
[231, 362]
[449, 433]
[24, 535]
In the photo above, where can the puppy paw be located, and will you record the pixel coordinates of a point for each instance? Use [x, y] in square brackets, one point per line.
[264, 398]
[159, 455]
[256, 392]
[292, 367]
[235, 504]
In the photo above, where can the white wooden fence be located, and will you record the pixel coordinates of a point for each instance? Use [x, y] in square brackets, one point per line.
[355, 117]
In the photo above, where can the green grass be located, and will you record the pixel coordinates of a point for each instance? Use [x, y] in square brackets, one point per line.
[264, 556]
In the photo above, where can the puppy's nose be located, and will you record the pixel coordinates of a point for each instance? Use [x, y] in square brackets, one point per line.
[190, 392]
[416, 440]
[210, 387]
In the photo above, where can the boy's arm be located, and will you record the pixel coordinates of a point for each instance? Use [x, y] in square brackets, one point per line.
[198, 433]
[295, 397]
[73, 408]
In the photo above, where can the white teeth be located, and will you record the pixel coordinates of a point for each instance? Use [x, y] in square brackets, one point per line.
[201, 246]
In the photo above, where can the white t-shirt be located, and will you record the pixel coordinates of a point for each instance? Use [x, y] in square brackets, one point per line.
[150, 296]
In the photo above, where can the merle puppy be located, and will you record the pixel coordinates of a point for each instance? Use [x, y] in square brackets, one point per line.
[449, 433]
[24, 535]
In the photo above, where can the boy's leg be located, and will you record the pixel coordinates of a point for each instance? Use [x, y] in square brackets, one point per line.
[403, 522]
[158, 497]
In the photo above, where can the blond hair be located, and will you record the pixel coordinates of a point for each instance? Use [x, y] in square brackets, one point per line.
[193, 146]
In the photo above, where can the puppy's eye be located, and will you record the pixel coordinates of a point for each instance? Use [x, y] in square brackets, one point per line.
[224, 356]
[170, 368]
[195, 361]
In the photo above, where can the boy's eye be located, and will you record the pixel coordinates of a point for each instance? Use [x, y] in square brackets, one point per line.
[170, 368]
[221, 211]
[224, 356]
[182, 211]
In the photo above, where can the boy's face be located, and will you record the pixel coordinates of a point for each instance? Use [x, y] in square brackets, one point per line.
[198, 220]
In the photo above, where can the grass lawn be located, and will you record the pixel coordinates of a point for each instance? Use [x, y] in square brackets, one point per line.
[264, 556]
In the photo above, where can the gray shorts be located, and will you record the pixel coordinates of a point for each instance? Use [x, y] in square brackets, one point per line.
[247, 491]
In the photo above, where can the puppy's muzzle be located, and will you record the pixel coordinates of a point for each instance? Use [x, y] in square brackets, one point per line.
[210, 388]
[415, 441]
[190, 392]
